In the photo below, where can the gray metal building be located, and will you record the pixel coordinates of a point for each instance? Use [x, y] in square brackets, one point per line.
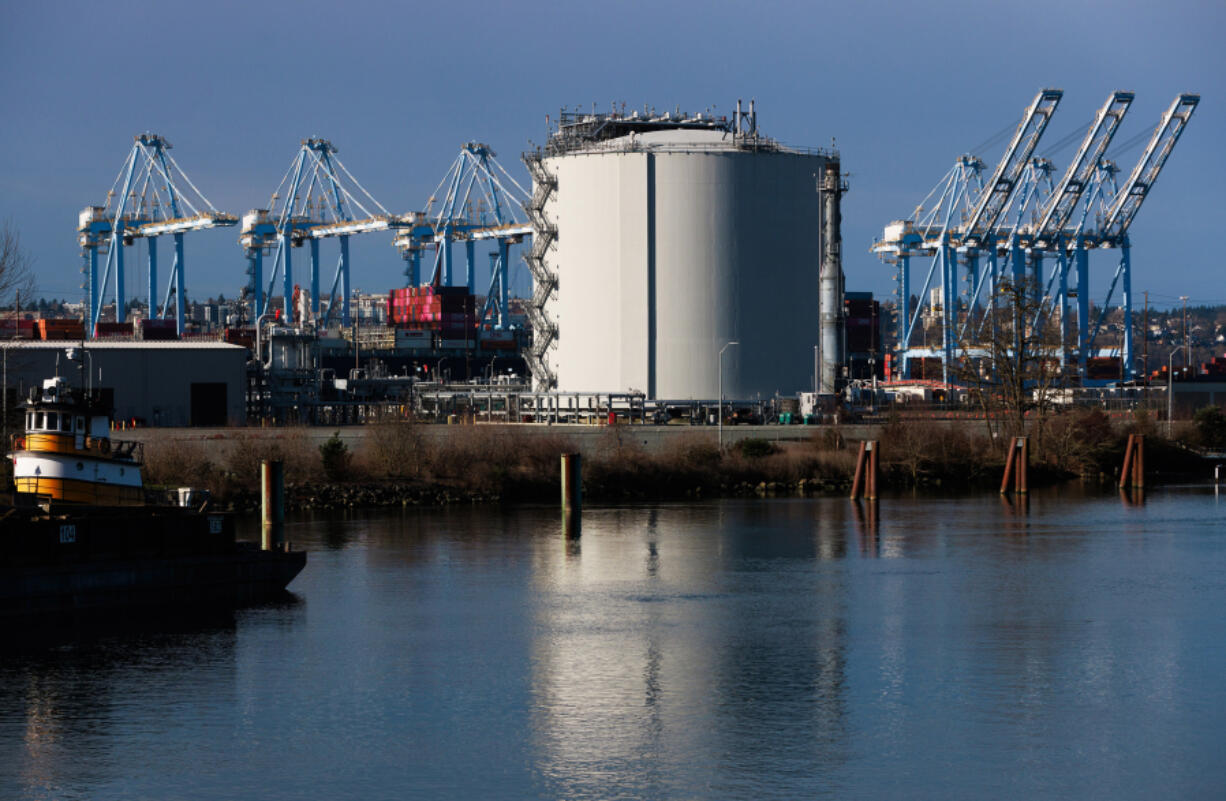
[158, 383]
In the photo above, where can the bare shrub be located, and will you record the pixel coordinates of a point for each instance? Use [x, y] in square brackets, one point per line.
[292, 446]
[396, 449]
[1143, 422]
[923, 451]
[176, 463]
[691, 453]
[827, 438]
[620, 467]
[825, 465]
[752, 448]
[540, 455]
[1080, 441]
[500, 460]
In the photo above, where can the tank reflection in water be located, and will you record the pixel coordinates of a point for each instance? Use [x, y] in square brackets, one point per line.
[954, 648]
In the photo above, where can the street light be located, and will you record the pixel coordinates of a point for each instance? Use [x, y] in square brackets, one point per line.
[1187, 359]
[721, 393]
[1170, 389]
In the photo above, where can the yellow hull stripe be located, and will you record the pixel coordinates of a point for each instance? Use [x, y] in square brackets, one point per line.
[52, 443]
[66, 443]
[71, 490]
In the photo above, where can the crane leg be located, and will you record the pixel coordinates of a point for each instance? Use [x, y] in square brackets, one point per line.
[180, 285]
[152, 245]
[287, 280]
[1082, 258]
[119, 288]
[315, 277]
[1126, 278]
[345, 280]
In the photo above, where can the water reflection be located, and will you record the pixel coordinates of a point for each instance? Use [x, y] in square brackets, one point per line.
[866, 526]
[952, 648]
[669, 637]
[66, 694]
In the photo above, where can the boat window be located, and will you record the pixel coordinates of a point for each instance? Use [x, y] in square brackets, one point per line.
[80, 424]
[29, 420]
[65, 423]
[38, 419]
[53, 421]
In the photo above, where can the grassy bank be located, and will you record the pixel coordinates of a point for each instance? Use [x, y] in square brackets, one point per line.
[398, 465]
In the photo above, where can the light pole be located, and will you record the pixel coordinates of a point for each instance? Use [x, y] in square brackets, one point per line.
[1187, 359]
[721, 394]
[1170, 390]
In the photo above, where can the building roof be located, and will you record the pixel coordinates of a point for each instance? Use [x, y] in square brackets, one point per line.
[94, 344]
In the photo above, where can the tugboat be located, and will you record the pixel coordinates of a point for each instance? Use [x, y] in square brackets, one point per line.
[67, 456]
[83, 534]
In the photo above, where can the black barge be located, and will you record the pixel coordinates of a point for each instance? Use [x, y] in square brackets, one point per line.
[88, 559]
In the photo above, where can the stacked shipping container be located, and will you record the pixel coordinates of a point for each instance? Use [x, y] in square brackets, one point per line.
[59, 329]
[157, 330]
[862, 317]
[1104, 368]
[17, 329]
[1213, 370]
[449, 312]
[447, 309]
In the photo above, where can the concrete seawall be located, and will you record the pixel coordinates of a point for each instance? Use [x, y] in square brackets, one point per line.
[587, 438]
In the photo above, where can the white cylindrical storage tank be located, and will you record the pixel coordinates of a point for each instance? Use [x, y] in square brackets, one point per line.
[670, 244]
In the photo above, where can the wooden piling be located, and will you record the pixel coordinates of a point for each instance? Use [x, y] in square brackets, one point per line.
[272, 503]
[1138, 463]
[1132, 474]
[872, 449]
[1023, 465]
[1009, 458]
[1017, 467]
[857, 479]
[1126, 470]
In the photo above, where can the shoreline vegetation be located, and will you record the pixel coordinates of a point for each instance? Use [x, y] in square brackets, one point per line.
[398, 466]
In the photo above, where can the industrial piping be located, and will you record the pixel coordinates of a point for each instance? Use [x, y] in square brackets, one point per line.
[830, 299]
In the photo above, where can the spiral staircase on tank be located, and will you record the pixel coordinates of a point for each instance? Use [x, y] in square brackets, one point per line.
[545, 280]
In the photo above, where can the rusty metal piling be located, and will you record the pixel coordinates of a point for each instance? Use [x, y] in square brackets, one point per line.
[1017, 467]
[1132, 474]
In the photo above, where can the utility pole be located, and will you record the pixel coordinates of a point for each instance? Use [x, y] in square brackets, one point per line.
[1187, 350]
[1145, 338]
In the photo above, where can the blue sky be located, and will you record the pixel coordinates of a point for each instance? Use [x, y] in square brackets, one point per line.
[903, 88]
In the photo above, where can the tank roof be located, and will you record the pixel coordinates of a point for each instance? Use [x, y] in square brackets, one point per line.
[647, 130]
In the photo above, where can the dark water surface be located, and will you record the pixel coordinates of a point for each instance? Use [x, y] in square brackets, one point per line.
[726, 650]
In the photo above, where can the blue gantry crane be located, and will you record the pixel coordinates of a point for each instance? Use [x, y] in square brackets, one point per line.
[1112, 229]
[150, 197]
[1051, 234]
[1083, 210]
[318, 198]
[480, 201]
[969, 211]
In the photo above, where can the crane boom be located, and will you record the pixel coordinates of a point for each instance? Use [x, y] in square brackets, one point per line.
[1064, 198]
[346, 227]
[1128, 202]
[196, 222]
[1004, 178]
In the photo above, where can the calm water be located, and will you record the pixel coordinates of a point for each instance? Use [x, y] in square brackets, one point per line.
[767, 649]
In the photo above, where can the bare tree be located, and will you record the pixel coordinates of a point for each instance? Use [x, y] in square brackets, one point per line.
[16, 274]
[1010, 357]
